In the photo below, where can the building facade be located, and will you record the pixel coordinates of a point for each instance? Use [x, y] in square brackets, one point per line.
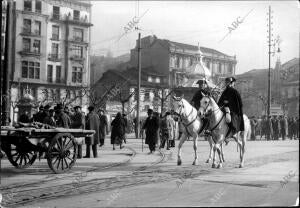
[167, 67]
[175, 59]
[253, 86]
[51, 47]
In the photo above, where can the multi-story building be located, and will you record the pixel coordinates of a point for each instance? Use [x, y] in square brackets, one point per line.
[253, 86]
[51, 50]
[167, 66]
[175, 59]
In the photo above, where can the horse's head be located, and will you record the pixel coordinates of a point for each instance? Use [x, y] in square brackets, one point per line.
[205, 106]
[177, 105]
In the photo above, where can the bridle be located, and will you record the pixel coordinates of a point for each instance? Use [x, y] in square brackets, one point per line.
[210, 113]
[182, 119]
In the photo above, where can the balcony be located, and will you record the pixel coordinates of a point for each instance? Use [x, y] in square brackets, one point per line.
[54, 57]
[28, 9]
[78, 40]
[55, 37]
[57, 17]
[25, 52]
[27, 32]
[77, 58]
[82, 21]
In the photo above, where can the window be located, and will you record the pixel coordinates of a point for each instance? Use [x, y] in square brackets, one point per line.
[55, 32]
[30, 70]
[78, 34]
[27, 5]
[54, 50]
[78, 51]
[27, 26]
[37, 46]
[3, 24]
[49, 73]
[177, 62]
[38, 6]
[56, 12]
[58, 74]
[191, 61]
[220, 68]
[230, 68]
[149, 79]
[208, 64]
[77, 74]
[26, 44]
[157, 80]
[2, 45]
[37, 29]
[76, 15]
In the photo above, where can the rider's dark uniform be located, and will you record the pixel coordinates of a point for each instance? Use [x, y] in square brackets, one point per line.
[231, 98]
[197, 98]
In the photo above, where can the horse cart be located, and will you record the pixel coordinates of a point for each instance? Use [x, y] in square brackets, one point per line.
[60, 145]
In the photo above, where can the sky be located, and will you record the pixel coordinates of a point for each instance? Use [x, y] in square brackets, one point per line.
[203, 22]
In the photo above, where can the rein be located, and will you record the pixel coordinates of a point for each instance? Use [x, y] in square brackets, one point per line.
[206, 115]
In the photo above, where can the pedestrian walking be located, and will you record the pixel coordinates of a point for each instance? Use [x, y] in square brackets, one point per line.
[78, 122]
[269, 129]
[103, 128]
[117, 131]
[283, 127]
[294, 128]
[164, 131]
[259, 127]
[92, 123]
[276, 128]
[151, 127]
[253, 124]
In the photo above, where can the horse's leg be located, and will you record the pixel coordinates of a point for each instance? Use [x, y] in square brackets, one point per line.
[244, 138]
[222, 153]
[195, 150]
[182, 140]
[214, 157]
[209, 139]
[220, 165]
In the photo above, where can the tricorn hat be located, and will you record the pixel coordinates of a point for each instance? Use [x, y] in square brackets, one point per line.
[230, 79]
[201, 81]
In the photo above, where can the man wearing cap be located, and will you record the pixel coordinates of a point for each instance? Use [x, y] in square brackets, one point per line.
[103, 128]
[232, 103]
[78, 122]
[203, 89]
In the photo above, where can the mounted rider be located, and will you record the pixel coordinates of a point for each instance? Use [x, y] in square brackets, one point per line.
[203, 89]
[233, 106]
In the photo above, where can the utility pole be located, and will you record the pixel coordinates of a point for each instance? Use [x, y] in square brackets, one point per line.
[269, 72]
[139, 86]
[6, 65]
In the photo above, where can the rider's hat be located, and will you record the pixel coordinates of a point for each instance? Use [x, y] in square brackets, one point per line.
[230, 79]
[201, 81]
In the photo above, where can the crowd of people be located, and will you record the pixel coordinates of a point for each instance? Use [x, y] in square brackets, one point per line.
[275, 127]
[65, 117]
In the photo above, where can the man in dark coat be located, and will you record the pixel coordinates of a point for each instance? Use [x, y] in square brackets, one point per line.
[151, 127]
[92, 123]
[232, 103]
[39, 116]
[63, 119]
[24, 118]
[103, 127]
[49, 119]
[276, 128]
[203, 89]
[78, 123]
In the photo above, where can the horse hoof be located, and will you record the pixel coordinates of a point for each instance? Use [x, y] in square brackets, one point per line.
[220, 166]
[207, 161]
[241, 166]
[179, 162]
[195, 163]
[213, 165]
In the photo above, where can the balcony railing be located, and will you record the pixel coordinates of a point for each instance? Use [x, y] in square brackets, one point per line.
[27, 31]
[55, 37]
[26, 52]
[27, 9]
[54, 57]
[77, 58]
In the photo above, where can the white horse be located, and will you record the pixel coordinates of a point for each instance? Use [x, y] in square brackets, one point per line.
[191, 122]
[219, 128]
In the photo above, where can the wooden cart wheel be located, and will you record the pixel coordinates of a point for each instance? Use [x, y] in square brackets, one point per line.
[62, 152]
[19, 157]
